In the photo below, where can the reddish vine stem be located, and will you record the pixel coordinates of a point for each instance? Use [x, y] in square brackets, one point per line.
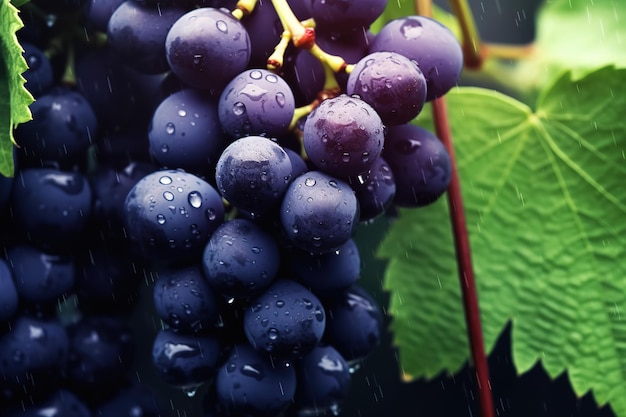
[464, 263]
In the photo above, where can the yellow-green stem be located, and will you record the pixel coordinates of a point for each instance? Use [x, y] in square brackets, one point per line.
[472, 46]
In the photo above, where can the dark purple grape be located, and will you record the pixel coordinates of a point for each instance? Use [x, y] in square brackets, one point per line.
[345, 15]
[343, 136]
[264, 29]
[207, 47]
[392, 84]
[62, 403]
[354, 323]
[420, 164]
[6, 186]
[136, 33]
[185, 361]
[253, 174]
[40, 278]
[427, 42]
[319, 213]
[286, 320]
[185, 132]
[98, 12]
[328, 273]
[63, 127]
[9, 298]
[101, 352]
[323, 381]
[249, 384]
[51, 206]
[39, 75]
[171, 214]
[32, 354]
[374, 191]
[240, 259]
[256, 102]
[184, 300]
[298, 166]
[137, 400]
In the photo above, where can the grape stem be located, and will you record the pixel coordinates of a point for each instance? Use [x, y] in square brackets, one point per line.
[473, 49]
[461, 241]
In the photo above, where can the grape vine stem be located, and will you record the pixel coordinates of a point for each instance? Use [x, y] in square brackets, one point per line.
[462, 247]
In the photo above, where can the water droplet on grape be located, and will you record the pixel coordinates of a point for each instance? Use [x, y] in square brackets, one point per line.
[256, 249]
[197, 59]
[365, 157]
[345, 157]
[165, 180]
[221, 26]
[265, 322]
[280, 99]
[256, 75]
[160, 219]
[182, 113]
[271, 78]
[165, 148]
[411, 29]
[309, 182]
[170, 128]
[333, 184]
[280, 303]
[272, 334]
[211, 215]
[168, 196]
[239, 108]
[195, 199]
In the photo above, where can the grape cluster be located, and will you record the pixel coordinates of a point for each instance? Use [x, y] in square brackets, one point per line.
[223, 154]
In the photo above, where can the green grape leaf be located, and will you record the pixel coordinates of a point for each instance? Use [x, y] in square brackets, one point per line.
[545, 199]
[14, 98]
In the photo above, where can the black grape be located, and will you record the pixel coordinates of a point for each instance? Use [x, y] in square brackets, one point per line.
[345, 15]
[9, 298]
[319, 213]
[256, 102]
[51, 206]
[253, 174]
[98, 12]
[286, 320]
[185, 361]
[248, 383]
[323, 381]
[136, 33]
[392, 84]
[40, 278]
[328, 273]
[429, 43]
[374, 191]
[354, 323]
[62, 128]
[420, 164]
[264, 29]
[39, 75]
[62, 403]
[343, 136]
[33, 352]
[6, 186]
[101, 352]
[170, 215]
[184, 300]
[207, 47]
[185, 132]
[240, 259]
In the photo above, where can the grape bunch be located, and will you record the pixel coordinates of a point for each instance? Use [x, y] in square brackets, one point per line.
[223, 153]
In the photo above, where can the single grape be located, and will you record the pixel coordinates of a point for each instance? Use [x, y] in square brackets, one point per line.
[429, 43]
[391, 83]
[420, 164]
[253, 174]
[374, 191]
[240, 259]
[354, 323]
[286, 320]
[248, 383]
[185, 132]
[136, 33]
[323, 381]
[328, 273]
[343, 136]
[256, 102]
[207, 47]
[184, 300]
[171, 214]
[98, 12]
[185, 361]
[319, 213]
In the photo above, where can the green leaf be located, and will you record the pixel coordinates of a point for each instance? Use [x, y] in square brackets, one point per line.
[545, 199]
[14, 98]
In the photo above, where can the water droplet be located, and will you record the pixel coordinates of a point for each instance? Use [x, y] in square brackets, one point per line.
[333, 184]
[309, 182]
[190, 391]
[345, 157]
[308, 304]
[256, 75]
[411, 29]
[365, 157]
[239, 108]
[252, 371]
[272, 334]
[165, 180]
[256, 249]
[197, 59]
[280, 99]
[165, 148]
[265, 322]
[319, 315]
[310, 199]
[231, 367]
[182, 113]
[271, 78]
[211, 215]
[168, 196]
[195, 199]
[388, 83]
[256, 308]
[222, 26]
[294, 229]
[364, 88]
[170, 128]
[160, 219]
[280, 303]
